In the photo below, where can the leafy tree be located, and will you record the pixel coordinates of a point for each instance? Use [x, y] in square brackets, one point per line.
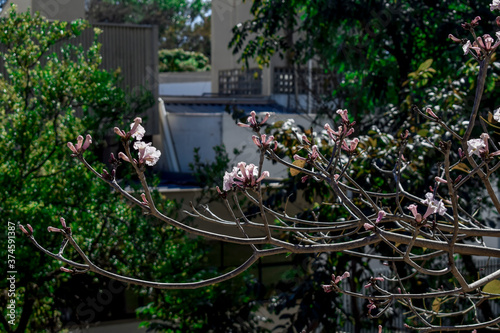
[49, 82]
[380, 58]
[366, 49]
[182, 23]
[178, 60]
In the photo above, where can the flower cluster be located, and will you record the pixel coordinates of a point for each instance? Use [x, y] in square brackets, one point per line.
[264, 141]
[148, 154]
[243, 176]
[482, 45]
[480, 147]
[136, 130]
[433, 206]
[252, 121]
[81, 146]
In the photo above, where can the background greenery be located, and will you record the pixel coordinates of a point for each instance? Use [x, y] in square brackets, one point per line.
[53, 92]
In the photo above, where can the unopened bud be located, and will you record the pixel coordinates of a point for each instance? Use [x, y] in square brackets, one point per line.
[23, 230]
[440, 180]
[63, 222]
[144, 200]
[64, 269]
[29, 227]
[431, 113]
[52, 229]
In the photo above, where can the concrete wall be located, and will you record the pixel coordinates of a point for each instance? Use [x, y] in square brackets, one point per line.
[225, 15]
[185, 83]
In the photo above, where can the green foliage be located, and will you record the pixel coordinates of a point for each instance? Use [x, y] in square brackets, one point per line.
[381, 59]
[178, 60]
[182, 23]
[42, 91]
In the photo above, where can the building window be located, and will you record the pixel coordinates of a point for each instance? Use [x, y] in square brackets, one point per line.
[284, 80]
[238, 82]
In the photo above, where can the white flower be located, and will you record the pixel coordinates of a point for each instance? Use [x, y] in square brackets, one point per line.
[243, 176]
[466, 47]
[433, 206]
[229, 179]
[147, 154]
[495, 5]
[475, 146]
[496, 114]
[136, 130]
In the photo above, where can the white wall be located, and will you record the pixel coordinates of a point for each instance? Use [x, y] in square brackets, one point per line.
[185, 88]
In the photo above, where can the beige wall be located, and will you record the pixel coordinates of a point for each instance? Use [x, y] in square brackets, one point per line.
[62, 10]
[225, 15]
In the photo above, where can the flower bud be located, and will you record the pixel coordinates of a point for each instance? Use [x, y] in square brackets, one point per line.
[23, 229]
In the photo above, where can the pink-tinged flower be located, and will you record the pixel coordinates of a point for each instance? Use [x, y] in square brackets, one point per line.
[123, 157]
[440, 180]
[496, 113]
[315, 153]
[337, 279]
[476, 147]
[343, 114]
[468, 46]
[350, 147]
[433, 206]
[144, 199]
[263, 141]
[485, 42]
[88, 141]
[336, 177]
[243, 176]
[81, 146]
[454, 39]
[252, 120]
[327, 288]
[136, 130]
[371, 306]
[368, 226]
[372, 281]
[298, 157]
[416, 215]
[334, 135]
[147, 154]
[495, 5]
[120, 132]
[306, 140]
[431, 113]
[381, 215]
[24, 230]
